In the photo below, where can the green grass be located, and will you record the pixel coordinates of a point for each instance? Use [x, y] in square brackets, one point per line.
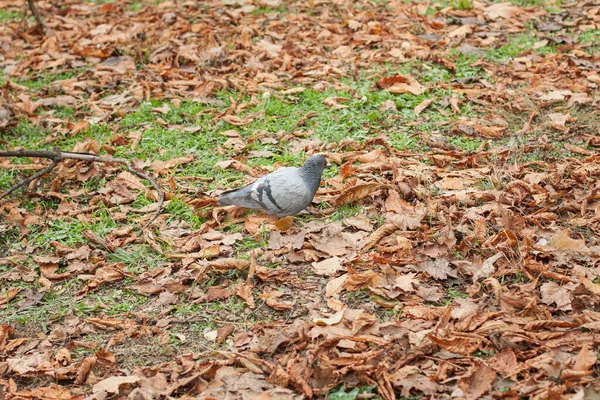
[341, 393]
[273, 116]
[138, 258]
[270, 10]
[10, 15]
[465, 143]
[516, 46]
[42, 81]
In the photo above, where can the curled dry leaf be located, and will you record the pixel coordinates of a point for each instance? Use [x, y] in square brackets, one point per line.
[357, 192]
[334, 102]
[272, 299]
[224, 264]
[244, 291]
[332, 320]
[52, 392]
[401, 84]
[114, 384]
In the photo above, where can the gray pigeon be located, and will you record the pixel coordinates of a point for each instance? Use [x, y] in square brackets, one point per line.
[284, 192]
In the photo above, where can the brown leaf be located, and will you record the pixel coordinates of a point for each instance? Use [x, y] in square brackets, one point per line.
[328, 266]
[563, 241]
[475, 129]
[504, 362]
[285, 223]
[272, 299]
[552, 292]
[413, 381]
[223, 332]
[331, 320]
[8, 295]
[83, 370]
[335, 286]
[290, 242]
[578, 150]
[207, 252]
[400, 84]
[225, 264]
[52, 392]
[163, 167]
[478, 382]
[423, 105]
[357, 192]
[504, 10]
[244, 291]
[586, 359]
[334, 102]
[114, 384]
[464, 344]
[216, 293]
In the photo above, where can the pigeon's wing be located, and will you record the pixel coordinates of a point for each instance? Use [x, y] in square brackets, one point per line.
[270, 193]
[290, 195]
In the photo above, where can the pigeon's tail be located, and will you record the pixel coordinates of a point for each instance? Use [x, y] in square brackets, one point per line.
[239, 197]
[227, 198]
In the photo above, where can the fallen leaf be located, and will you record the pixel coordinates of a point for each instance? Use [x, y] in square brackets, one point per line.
[357, 192]
[332, 320]
[423, 105]
[478, 382]
[52, 392]
[328, 266]
[400, 84]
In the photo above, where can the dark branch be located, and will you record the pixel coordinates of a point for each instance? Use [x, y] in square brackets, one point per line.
[38, 17]
[32, 178]
[57, 156]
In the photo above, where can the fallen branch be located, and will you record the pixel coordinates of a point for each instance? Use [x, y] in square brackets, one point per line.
[58, 156]
[38, 17]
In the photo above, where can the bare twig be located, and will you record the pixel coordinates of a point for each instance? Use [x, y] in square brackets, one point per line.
[57, 156]
[30, 179]
[38, 17]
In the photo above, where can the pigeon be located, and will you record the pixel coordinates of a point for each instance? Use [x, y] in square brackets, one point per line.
[282, 193]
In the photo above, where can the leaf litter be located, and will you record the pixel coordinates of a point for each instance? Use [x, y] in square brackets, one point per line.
[467, 273]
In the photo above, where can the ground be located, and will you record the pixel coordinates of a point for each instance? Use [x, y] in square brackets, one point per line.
[452, 248]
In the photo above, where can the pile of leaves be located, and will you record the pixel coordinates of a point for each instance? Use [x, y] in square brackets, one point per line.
[460, 273]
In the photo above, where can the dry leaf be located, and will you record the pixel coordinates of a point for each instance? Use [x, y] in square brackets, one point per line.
[400, 84]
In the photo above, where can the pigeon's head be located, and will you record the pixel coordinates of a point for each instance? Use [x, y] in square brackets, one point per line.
[315, 165]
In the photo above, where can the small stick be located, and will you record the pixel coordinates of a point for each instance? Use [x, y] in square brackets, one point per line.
[38, 17]
[57, 156]
[30, 179]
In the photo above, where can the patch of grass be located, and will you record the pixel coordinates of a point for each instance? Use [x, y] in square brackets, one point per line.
[549, 5]
[590, 38]
[10, 15]
[249, 243]
[270, 10]
[63, 112]
[346, 211]
[462, 5]
[137, 258]
[465, 143]
[68, 231]
[403, 141]
[517, 45]
[453, 293]
[112, 301]
[43, 80]
[180, 211]
[55, 305]
[341, 393]
[483, 354]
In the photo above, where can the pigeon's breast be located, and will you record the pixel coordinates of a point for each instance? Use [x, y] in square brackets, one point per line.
[282, 193]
